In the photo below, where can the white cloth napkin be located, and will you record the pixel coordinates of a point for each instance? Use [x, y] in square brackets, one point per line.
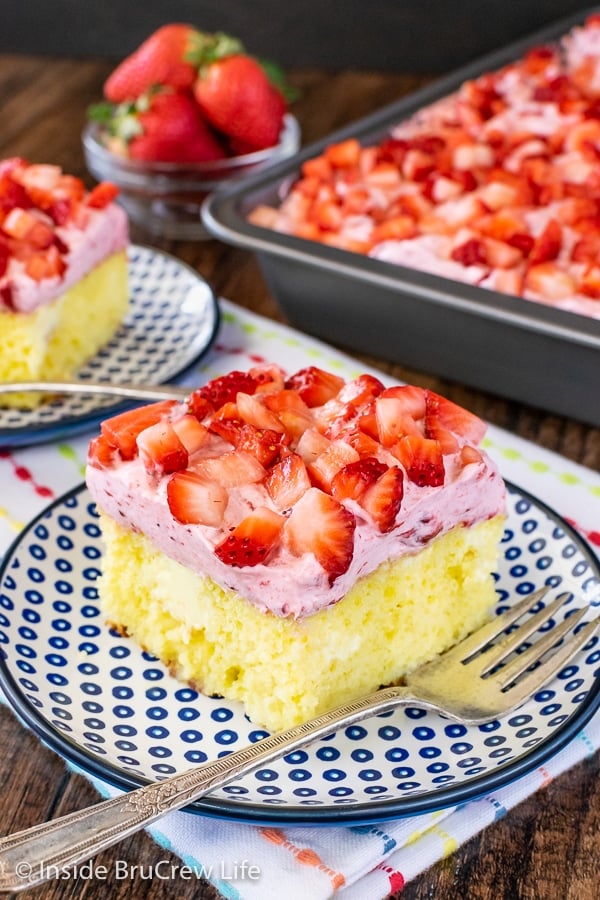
[248, 861]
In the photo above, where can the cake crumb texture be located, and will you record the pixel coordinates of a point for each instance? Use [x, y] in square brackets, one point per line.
[286, 671]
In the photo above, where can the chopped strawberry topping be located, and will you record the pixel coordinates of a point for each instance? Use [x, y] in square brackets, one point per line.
[263, 443]
[305, 483]
[251, 541]
[319, 524]
[443, 412]
[287, 481]
[160, 448]
[194, 500]
[314, 385]
[383, 499]
[121, 431]
[353, 479]
[422, 459]
[224, 389]
[103, 194]
[101, 453]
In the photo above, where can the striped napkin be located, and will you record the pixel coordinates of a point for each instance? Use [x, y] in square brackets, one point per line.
[249, 861]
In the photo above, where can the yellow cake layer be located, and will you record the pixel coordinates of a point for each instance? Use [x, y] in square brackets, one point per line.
[57, 339]
[285, 671]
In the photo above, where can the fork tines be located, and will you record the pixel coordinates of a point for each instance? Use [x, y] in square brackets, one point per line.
[510, 657]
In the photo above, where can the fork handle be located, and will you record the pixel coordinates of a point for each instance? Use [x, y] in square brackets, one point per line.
[44, 851]
[131, 391]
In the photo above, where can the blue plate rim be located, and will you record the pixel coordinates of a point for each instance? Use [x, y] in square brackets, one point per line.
[361, 814]
[72, 425]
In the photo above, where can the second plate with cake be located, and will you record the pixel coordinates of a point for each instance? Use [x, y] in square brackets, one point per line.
[172, 322]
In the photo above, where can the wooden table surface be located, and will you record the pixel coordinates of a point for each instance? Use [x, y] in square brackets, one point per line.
[545, 849]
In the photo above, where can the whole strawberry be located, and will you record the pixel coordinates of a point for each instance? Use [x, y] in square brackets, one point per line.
[238, 99]
[161, 126]
[161, 59]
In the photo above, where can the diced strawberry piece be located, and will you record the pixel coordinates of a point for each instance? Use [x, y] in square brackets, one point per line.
[446, 439]
[361, 390]
[122, 430]
[382, 500]
[314, 385]
[291, 410]
[523, 242]
[226, 422]
[263, 443]
[509, 281]
[549, 280]
[199, 406]
[40, 176]
[320, 168]
[327, 464]
[101, 454]
[327, 215]
[268, 377]
[471, 252]
[102, 194]
[287, 481]
[45, 264]
[321, 525]
[61, 211]
[344, 154]
[547, 245]
[231, 469]
[366, 420]
[470, 454]
[335, 417]
[352, 480]
[160, 449]
[422, 458]
[455, 418]
[502, 255]
[254, 412]
[587, 248]
[252, 540]
[397, 228]
[283, 399]
[18, 223]
[41, 236]
[590, 282]
[311, 444]
[223, 389]
[195, 501]
[192, 433]
[13, 195]
[364, 444]
[398, 410]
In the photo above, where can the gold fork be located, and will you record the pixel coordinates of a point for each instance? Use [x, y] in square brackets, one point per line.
[482, 678]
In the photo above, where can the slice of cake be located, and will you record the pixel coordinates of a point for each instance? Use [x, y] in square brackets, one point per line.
[295, 542]
[63, 273]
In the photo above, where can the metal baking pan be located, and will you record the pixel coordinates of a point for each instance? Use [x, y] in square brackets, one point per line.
[504, 345]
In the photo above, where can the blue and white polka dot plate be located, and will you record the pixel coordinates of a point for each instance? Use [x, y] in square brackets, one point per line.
[115, 712]
[172, 322]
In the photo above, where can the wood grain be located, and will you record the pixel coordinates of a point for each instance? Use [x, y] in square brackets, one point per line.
[545, 849]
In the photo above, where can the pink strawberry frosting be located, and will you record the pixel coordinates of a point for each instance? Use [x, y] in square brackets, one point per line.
[289, 585]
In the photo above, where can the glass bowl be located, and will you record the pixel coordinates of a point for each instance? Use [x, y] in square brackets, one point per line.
[165, 198]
